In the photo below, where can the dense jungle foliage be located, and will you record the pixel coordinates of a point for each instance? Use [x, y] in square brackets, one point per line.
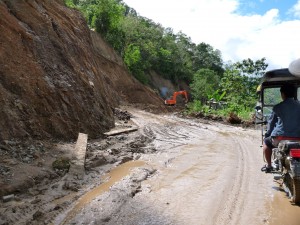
[147, 46]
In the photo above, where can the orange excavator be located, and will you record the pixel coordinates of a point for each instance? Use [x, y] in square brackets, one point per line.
[172, 100]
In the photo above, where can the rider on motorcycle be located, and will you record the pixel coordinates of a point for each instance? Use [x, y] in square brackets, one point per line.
[284, 121]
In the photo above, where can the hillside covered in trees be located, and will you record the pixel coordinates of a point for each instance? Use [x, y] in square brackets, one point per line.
[146, 46]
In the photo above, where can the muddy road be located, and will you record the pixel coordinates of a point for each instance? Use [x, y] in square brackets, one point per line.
[182, 171]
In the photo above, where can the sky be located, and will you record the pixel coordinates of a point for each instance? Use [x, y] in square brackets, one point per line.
[240, 29]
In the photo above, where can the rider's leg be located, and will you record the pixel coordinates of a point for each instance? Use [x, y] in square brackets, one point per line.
[268, 154]
[267, 150]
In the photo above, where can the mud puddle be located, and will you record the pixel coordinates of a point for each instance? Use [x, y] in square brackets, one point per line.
[283, 211]
[113, 177]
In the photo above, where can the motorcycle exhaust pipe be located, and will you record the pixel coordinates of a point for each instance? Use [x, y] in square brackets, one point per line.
[278, 177]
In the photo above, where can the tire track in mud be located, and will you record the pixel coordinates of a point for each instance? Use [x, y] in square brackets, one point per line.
[167, 133]
[169, 129]
[164, 131]
[232, 210]
[164, 136]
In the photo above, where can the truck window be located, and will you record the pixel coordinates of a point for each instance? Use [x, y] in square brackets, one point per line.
[272, 96]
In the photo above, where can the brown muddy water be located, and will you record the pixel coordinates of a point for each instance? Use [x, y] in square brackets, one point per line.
[112, 177]
[283, 211]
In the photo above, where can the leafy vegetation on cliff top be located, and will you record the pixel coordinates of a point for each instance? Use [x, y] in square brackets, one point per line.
[147, 46]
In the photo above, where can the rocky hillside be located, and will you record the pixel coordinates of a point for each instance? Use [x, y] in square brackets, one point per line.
[58, 78]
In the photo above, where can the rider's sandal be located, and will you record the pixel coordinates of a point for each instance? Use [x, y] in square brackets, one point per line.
[267, 169]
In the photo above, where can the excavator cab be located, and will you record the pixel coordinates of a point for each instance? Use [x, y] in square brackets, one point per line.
[173, 100]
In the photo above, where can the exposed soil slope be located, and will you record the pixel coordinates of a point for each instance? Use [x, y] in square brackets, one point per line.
[57, 78]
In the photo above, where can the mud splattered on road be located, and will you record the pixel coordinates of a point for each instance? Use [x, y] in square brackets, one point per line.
[282, 211]
[178, 171]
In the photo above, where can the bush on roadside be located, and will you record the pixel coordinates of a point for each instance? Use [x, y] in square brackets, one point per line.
[232, 113]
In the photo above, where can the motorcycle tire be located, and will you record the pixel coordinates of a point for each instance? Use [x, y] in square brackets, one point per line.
[296, 191]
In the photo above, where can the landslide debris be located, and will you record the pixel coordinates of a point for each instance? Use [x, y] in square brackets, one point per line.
[50, 83]
[50, 195]
[57, 77]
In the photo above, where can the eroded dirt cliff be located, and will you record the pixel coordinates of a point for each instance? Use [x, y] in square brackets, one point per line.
[58, 78]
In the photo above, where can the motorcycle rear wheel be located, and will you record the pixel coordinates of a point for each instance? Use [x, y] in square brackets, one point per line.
[296, 191]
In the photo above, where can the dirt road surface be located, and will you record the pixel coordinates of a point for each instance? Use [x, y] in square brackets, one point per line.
[185, 171]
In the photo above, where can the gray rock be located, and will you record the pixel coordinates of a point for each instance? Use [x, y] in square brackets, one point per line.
[8, 198]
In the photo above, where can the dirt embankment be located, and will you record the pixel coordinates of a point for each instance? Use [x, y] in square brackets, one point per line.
[57, 78]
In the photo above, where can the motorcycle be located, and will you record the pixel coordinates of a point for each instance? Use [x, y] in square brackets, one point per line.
[286, 161]
[286, 165]
[286, 157]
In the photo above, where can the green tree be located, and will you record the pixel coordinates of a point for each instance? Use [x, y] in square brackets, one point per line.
[174, 56]
[204, 84]
[240, 81]
[252, 72]
[205, 56]
[105, 16]
[248, 67]
[133, 60]
[183, 59]
[107, 21]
